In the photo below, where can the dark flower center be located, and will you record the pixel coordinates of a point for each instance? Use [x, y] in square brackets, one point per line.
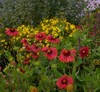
[49, 51]
[36, 47]
[12, 30]
[64, 81]
[66, 53]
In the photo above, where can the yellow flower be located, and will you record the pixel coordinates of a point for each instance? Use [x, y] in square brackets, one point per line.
[72, 26]
[27, 55]
[3, 40]
[60, 37]
[69, 88]
[0, 35]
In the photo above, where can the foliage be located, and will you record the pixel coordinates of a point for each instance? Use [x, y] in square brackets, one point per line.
[31, 12]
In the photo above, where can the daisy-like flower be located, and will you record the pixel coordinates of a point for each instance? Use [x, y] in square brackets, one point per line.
[11, 32]
[28, 48]
[35, 55]
[40, 36]
[24, 42]
[50, 52]
[26, 61]
[67, 55]
[50, 38]
[64, 81]
[84, 51]
[35, 48]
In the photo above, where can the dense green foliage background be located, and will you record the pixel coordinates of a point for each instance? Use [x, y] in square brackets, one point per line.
[16, 12]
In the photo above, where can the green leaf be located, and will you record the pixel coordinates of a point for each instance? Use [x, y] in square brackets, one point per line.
[79, 62]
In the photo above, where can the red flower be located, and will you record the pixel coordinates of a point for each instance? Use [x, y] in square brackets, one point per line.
[40, 36]
[51, 52]
[28, 48]
[79, 27]
[67, 56]
[26, 61]
[35, 55]
[84, 51]
[22, 70]
[11, 32]
[53, 40]
[24, 41]
[35, 48]
[64, 81]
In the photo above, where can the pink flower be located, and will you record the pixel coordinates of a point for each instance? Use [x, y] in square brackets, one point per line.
[53, 40]
[84, 51]
[24, 42]
[35, 48]
[67, 55]
[50, 52]
[11, 32]
[26, 61]
[64, 81]
[35, 55]
[40, 36]
[28, 48]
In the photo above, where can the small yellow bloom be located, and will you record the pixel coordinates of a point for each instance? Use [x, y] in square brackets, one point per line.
[0, 35]
[27, 55]
[3, 40]
[69, 88]
[72, 26]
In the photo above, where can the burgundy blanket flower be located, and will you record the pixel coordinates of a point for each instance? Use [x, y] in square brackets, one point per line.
[50, 52]
[67, 55]
[84, 51]
[11, 32]
[64, 81]
[51, 39]
[35, 48]
[24, 42]
[35, 55]
[40, 36]
[26, 61]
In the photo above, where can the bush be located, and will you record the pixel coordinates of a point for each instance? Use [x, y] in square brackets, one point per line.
[18, 12]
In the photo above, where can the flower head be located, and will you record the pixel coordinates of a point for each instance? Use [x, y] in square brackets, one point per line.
[24, 41]
[67, 55]
[11, 32]
[21, 70]
[50, 52]
[28, 48]
[64, 81]
[35, 48]
[26, 61]
[40, 36]
[84, 51]
[35, 55]
[50, 38]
